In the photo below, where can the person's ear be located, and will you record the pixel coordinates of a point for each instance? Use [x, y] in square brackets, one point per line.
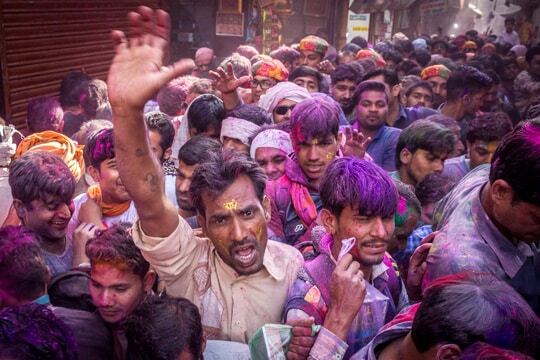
[20, 208]
[405, 156]
[466, 99]
[501, 192]
[149, 280]
[339, 139]
[448, 352]
[167, 153]
[395, 90]
[402, 99]
[202, 222]
[267, 207]
[94, 173]
[329, 221]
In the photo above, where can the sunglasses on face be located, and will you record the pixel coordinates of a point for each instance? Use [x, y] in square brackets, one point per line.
[282, 110]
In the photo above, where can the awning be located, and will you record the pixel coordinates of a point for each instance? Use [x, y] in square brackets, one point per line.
[371, 6]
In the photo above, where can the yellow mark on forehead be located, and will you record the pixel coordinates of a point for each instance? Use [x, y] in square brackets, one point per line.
[315, 142]
[231, 205]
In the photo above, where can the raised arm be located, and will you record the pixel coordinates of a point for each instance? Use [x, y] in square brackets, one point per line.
[136, 74]
[227, 83]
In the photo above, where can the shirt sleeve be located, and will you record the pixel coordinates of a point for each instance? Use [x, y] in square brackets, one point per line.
[172, 256]
[389, 156]
[328, 346]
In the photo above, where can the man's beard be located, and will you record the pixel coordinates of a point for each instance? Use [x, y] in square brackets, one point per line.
[348, 108]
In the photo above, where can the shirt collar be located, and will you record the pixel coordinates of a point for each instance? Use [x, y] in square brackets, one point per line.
[511, 257]
[273, 262]
[43, 300]
[402, 117]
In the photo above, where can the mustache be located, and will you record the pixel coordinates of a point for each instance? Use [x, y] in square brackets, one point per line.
[248, 241]
[369, 242]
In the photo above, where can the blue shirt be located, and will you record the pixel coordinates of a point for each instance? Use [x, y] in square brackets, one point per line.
[383, 147]
[409, 115]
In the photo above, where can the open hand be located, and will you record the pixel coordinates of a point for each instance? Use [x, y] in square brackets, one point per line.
[137, 70]
[226, 81]
[356, 143]
[81, 235]
[326, 67]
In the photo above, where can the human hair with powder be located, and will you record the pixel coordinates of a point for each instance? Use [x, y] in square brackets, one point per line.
[23, 271]
[99, 148]
[172, 97]
[115, 246]
[517, 161]
[361, 184]
[315, 118]
[488, 127]
[32, 331]
[44, 113]
[39, 174]
[464, 308]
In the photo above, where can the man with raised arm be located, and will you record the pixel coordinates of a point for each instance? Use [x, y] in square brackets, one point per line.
[236, 260]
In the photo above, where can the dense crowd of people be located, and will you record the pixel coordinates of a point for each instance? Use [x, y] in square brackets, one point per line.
[376, 202]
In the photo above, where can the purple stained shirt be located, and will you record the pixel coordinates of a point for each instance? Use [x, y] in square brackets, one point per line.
[456, 168]
[470, 241]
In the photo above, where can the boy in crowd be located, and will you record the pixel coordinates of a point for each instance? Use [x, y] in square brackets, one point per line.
[421, 150]
[371, 110]
[42, 187]
[295, 196]
[330, 288]
[484, 134]
[345, 79]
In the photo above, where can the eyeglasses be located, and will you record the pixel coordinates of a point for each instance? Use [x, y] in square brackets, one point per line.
[282, 110]
[265, 84]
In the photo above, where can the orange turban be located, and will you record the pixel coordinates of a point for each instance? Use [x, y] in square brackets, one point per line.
[271, 68]
[58, 144]
[372, 55]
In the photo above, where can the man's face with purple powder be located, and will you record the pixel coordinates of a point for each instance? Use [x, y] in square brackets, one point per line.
[372, 234]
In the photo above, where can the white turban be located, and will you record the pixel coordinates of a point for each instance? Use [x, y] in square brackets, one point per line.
[272, 138]
[283, 90]
[239, 129]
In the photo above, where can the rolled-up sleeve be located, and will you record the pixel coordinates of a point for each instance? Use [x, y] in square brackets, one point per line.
[173, 256]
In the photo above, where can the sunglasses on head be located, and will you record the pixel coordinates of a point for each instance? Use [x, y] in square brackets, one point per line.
[282, 110]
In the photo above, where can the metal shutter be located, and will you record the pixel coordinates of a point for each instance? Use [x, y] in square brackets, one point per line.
[42, 40]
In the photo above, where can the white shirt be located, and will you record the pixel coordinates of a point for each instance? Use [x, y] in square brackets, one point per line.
[130, 215]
